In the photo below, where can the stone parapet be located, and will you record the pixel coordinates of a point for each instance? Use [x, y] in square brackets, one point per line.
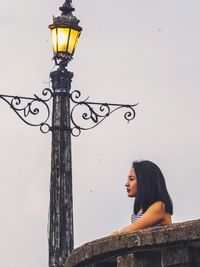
[176, 245]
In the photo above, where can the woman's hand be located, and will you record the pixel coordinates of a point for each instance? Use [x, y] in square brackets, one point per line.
[116, 233]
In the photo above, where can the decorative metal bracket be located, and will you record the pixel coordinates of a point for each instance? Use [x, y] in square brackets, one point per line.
[27, 108]
[35, 111]
[94, 112]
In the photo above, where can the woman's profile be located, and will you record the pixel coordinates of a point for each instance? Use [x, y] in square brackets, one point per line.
[153, 205]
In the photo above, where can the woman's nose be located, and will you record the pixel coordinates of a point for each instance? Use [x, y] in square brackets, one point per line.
[127, 184]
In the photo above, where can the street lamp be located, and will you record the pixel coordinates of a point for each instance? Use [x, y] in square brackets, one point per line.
[65, 31]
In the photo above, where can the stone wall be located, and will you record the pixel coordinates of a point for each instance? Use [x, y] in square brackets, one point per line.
[177, 245]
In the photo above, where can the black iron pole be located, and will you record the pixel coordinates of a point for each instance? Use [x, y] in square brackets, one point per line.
[61, 240]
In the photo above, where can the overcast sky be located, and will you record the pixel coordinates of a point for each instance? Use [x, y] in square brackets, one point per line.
[130, 51]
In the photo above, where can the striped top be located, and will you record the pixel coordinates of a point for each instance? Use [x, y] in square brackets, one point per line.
[137, 216]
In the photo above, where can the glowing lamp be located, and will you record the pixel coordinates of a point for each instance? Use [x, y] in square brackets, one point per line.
[65, 33]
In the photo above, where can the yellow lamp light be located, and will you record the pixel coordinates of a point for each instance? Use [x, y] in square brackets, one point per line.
[64, 40]
[65, 33]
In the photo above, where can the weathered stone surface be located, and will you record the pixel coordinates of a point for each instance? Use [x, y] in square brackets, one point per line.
[126, 261]
[176, 255]
[156, 238]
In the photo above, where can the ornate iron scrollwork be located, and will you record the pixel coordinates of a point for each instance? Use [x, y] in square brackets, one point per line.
[95, 112]
[28, 108]
[35, 111]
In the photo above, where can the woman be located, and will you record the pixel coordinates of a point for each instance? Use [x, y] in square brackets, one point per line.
[153, 205]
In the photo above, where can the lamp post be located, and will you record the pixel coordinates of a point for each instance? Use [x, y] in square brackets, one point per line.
[65, 31]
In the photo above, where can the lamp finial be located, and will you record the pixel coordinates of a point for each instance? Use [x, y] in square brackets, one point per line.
[67, 7]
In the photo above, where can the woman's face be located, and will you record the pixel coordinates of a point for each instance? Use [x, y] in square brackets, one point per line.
[131, 184]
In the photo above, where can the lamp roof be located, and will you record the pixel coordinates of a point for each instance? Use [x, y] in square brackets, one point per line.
[67, 19]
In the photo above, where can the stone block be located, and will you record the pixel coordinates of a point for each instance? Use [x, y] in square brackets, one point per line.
[176, 256]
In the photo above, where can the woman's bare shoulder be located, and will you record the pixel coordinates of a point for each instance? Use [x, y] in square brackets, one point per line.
[157, 206]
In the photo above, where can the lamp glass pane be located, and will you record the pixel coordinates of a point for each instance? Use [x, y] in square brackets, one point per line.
[54, 39]
[76, 41]
[72, 41]
[63, 35]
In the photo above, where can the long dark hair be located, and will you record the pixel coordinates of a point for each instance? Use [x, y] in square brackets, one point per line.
[151, 186]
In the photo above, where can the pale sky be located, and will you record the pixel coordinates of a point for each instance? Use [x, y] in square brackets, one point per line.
[130, 51]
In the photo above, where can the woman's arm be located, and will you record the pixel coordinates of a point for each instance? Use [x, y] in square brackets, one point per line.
[155, 213]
